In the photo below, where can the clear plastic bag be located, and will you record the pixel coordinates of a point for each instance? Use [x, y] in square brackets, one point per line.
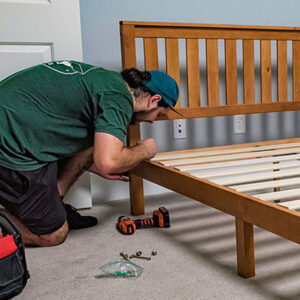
[122, 268]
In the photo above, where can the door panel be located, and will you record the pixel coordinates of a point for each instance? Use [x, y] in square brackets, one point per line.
[16, 57]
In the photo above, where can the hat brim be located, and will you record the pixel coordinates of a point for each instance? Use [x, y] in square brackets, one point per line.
[176, 111]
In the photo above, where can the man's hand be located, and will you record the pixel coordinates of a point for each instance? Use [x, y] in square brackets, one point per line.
[116, 177]
[150, 147]
[121, 177]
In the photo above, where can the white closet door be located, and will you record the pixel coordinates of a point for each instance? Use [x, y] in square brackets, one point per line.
[37, 31]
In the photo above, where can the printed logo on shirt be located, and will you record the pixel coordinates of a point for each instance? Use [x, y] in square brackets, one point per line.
[69, 67]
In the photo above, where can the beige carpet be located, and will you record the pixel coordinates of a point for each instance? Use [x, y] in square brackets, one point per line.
[196, 259]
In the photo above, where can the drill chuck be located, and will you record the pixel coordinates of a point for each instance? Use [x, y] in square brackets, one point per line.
[126, 225]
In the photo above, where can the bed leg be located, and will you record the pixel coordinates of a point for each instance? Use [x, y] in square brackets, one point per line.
[136, 187]
[245, 248]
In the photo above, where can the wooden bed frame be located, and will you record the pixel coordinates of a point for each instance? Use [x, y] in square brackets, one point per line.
[202, 174]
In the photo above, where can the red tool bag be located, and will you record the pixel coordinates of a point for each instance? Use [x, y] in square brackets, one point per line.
[13, 268]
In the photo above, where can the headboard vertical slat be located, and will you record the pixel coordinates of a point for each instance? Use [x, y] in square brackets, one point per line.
[150, 53]
[193, 74]
[231, 72]
[296, 70]
[265, 71]
[282, 77]
[212, 66]
[172, 61]
[249, 71]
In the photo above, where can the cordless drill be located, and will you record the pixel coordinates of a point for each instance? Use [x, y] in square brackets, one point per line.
[160, 219]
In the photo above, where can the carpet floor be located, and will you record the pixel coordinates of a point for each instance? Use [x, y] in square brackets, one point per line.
[196, 259]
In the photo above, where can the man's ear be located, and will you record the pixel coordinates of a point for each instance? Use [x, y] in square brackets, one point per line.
[154, 100]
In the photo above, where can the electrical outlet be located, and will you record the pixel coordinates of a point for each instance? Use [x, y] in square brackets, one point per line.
[239, 124]
[179, 129]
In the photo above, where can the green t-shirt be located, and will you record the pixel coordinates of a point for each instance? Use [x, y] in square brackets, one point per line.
[51, 111]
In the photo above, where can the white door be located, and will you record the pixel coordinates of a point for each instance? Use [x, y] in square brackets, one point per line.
[37, 31]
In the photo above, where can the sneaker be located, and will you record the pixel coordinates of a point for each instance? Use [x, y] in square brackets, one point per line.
[77, 221]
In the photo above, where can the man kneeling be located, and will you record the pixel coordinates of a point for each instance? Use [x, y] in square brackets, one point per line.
[60, 119]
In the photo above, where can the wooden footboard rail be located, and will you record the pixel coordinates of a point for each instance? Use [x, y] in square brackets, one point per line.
[257, 44]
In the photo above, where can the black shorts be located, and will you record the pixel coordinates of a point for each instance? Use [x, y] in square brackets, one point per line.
[32, 196]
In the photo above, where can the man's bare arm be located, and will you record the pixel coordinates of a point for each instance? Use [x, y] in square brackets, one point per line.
[112, 158]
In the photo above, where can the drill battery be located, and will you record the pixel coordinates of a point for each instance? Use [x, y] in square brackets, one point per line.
[161, 217]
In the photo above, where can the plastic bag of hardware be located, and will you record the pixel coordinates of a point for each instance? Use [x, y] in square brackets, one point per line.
[122, 268]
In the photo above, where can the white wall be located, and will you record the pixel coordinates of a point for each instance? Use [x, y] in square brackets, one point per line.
[101, 46]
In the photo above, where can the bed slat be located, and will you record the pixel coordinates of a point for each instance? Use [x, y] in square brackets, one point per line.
[295, 204]
[237, 163]
[172, 59]
[278, 195]
[193, 72]
[231, 157]
[265, 185]
[257, 177]
[212, 66]
[231, 72]
[224, 151]
[151, 56]
[282, 71]
[247, 170]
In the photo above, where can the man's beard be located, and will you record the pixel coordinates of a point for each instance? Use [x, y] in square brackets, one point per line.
[137, 117]
[133, 120]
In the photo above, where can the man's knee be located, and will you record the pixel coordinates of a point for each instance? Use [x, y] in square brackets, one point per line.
[55, 238]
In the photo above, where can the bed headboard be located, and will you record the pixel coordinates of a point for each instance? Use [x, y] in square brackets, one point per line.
[171, 33]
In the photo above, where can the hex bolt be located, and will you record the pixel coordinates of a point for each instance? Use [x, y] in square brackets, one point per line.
[139, 253]
[142, 257]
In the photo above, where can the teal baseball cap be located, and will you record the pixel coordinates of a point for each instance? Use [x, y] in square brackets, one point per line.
[165, 86]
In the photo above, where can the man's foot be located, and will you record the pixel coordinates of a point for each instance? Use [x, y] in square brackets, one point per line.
[77, 221]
